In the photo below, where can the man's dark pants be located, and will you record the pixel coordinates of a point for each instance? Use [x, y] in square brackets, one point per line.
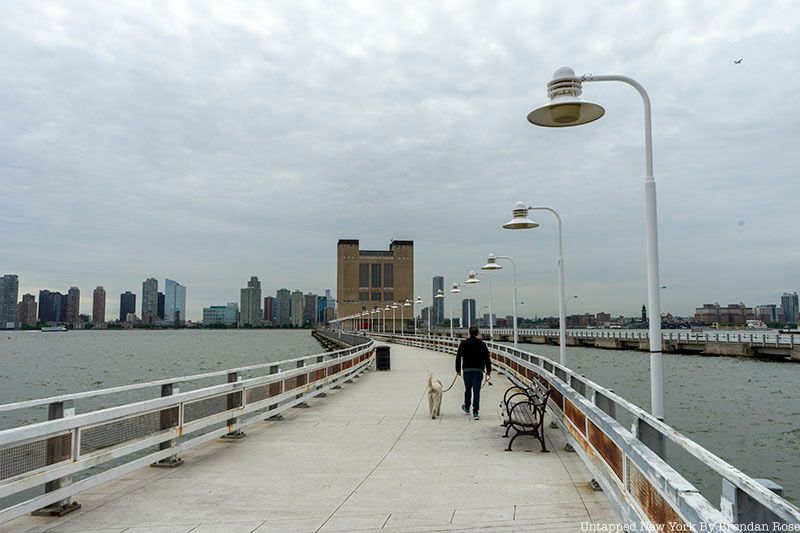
[472, 386]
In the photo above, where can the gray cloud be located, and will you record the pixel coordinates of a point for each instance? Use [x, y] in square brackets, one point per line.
[208, 143]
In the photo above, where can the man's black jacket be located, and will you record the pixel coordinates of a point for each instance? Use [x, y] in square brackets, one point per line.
[475, 355]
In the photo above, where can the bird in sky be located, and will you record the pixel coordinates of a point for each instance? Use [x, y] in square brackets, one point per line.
[737, 61]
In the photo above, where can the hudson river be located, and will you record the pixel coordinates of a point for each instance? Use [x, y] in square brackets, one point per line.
[744, 410]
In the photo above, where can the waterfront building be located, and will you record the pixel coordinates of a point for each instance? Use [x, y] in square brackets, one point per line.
[9, 296]
[150, 301]
[283, 312]
[486, 319]
[221, 315]
[438, 303]
[297, 309]
[73, 307]
[468, 311]
[99, 306]
[269, 310]
[160, 307]
[732, 314]
[174, 302]
[769, 313]
[331, 305]
[27, 310]
[789, 304]
[250, 300]
[127, 305]
[369, 278]
[310, 309]
[50, 306]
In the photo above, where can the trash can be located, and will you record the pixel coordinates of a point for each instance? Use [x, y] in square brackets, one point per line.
[382, 358]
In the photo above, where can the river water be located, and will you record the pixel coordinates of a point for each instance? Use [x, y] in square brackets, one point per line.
[744, 410]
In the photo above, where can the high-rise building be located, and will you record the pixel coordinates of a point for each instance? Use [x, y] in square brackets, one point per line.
[160, 308]
[9, 295]
[150, 301]
[310, 309]
[283, 313]
[52, 307]
[437, 317]
[73, 309]
[27, 310]
[297, 309]
[127, 305]
[174, 302]
[322, 308]
[250, 301]
[732, 314]
[790, 307]
[330, 315]
[468, 312]
[270, 310]
[99, 306]
[221, 315]
[369, 278]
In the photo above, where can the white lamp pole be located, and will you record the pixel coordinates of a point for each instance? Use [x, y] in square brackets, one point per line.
[521, 221]
[416, 302]
[491, 264]
[566, 109]
[394, 320]
[454, 290]
[439, 296]
[489, 282]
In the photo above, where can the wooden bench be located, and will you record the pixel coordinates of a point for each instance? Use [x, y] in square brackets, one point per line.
[523, 410]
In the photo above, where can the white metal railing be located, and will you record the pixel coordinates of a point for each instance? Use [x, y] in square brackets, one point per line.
[591, 416]
[759, 339]
[103, 444]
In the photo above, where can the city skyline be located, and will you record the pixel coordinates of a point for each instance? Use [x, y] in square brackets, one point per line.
[430, 102]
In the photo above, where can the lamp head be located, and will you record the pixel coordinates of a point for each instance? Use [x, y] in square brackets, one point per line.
[455, 289]
[394, 306]
[419, 300]
[565, 107]
[491, 263]
[439, 294]
[520, 218]
[406, 303]
[473, 278]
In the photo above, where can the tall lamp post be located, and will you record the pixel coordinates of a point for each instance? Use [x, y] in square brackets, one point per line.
[385, 309]
[471, 280]
[454, 290]
[402, 316]
[394, 320]
[489, 282]
[439, 296]
[566, 109]
[521, 221]
[491, 264]
[415, 303]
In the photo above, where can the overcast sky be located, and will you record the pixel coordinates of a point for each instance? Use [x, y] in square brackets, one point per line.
[208, 143]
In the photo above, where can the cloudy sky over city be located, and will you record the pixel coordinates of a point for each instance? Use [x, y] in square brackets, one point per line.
[208, 142]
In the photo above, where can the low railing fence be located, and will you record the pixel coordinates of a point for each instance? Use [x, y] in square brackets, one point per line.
[625, 448]
[756, 339]
[101, 445]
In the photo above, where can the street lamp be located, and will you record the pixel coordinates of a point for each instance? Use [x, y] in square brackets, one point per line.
[454, 290]
[394, 320]
[415, 303]
[385, 309]
[471, 280]
[489, 282]
[521, 221]
[402, 317]
[439, 296]
[567, 109]
[491, 264]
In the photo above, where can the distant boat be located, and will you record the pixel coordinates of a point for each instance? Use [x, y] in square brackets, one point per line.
[53, 328]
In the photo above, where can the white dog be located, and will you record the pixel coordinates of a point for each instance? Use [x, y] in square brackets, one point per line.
[434, 396]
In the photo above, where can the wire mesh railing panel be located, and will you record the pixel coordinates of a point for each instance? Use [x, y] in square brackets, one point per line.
[203, 408]
[125, 430]
[29, 456]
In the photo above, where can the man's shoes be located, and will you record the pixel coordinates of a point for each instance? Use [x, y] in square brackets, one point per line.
[476, 417]
[464, 408]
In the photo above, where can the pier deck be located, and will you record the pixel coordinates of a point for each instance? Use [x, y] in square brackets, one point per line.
[365, 458]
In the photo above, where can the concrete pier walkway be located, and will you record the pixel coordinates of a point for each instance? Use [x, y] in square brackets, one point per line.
[367, 457]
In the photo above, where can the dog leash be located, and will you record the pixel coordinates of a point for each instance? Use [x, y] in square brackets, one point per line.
[483, 382]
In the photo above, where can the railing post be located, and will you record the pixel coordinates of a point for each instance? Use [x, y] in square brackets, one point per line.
[234, 377]
[320, 359]
[274, 369]
[167, 422]
[55, 451]
[745, 511]
[301, 405]
[651, 438]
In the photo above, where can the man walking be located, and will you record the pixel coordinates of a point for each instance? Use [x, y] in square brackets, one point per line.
[476, 358]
